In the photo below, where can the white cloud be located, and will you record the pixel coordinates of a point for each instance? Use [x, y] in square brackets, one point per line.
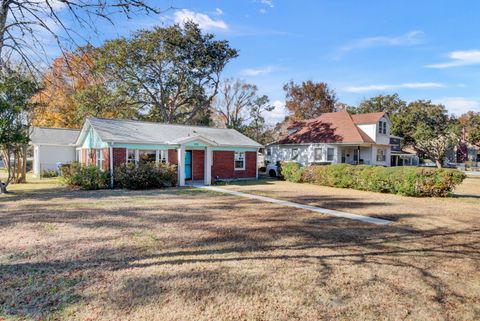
[459, 105]
[203, 20]
[262, 10]
[411, 38]
[277, 114]
[218, 12]
[267, 3]
[258, 71]
[459, 58]
[414, 85]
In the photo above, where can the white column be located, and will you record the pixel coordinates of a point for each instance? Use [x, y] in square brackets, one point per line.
[110, 158]
[208, 166]
[181, 165]
[256, 161]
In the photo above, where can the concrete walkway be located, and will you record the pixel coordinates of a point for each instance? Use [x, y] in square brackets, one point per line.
[321, 210]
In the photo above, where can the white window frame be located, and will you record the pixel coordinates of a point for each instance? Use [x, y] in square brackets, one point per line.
[320, 149]
[294, 153]
[162, 156]
[137, 154]
[333, 155]
[235, 161]
[99, 158]
[381, 155]
[269, 151]
[135, 159]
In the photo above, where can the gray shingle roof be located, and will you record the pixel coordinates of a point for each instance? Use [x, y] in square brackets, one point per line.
[53, 136]
[132, 131]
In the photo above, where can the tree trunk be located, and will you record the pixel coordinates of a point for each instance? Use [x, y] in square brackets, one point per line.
[23, 172]
[439, 163]
[3, 21]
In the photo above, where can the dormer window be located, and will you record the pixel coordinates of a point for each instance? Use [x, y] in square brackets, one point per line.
[382, 127]
[292, 130]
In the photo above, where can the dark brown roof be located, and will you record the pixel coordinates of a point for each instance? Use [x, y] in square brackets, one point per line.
[336, 127]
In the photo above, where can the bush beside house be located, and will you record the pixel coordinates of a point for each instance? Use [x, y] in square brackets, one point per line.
[145, 176]
[409, 181]
[129, 176]
[85, 177]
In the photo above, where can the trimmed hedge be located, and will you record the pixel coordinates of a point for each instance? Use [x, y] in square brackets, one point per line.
[85, 177]
[145, 176]
[409, 181]
[291, 172]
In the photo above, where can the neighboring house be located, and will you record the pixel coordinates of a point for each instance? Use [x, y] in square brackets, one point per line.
[402, 157]
[336, 138]
[200, 152]
[52, 146]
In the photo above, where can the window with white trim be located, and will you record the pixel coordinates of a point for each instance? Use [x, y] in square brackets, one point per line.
[131, 156]
[382, 127]
[162, 156]
[99, 158]
[381, 155]
[239, 161]
[318, 154]
[269, 151]
[147, 156]
[330, 154]
[294, 153]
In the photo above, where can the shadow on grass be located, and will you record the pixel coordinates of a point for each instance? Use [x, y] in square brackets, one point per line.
[209, 238]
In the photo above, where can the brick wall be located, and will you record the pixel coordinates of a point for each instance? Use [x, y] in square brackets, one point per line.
[198, 164]
[223, 165]
[106, 159]
[91, 157]
[172, 156]
[119, 156]
[84, 156]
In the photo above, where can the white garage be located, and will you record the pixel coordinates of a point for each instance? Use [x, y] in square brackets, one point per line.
[52, 146]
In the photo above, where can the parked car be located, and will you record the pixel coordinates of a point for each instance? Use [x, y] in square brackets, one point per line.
[273, 170]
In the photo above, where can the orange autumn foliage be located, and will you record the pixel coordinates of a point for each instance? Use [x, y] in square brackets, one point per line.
[68, 75]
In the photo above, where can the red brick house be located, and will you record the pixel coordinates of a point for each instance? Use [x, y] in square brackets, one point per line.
[200, 153]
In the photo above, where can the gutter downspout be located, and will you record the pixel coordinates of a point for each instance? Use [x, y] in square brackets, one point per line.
[111, 166]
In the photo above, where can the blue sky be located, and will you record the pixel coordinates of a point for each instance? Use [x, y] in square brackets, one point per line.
[419, 49]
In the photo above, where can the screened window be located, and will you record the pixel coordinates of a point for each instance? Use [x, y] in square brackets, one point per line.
[318, 154]
[382, 127]
[99, 158]
[269, 151]
[294, 153]
[131, 156]
[147, 156]
[381, 155]
[162, 156]
[330, 154]
[239, 160]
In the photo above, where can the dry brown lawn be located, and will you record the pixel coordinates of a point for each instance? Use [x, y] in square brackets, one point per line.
[185, 254]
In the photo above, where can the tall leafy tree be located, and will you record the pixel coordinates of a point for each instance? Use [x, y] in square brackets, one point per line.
[309, 99]
[72, 91]
[434, 142]
[16, 90]
[417, 113]
[24, 24]
[172, 73]
[471, 122]
[239, 106]
[391, 104]
[428, 128]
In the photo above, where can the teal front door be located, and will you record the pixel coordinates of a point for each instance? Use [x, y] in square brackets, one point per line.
[188, 164]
